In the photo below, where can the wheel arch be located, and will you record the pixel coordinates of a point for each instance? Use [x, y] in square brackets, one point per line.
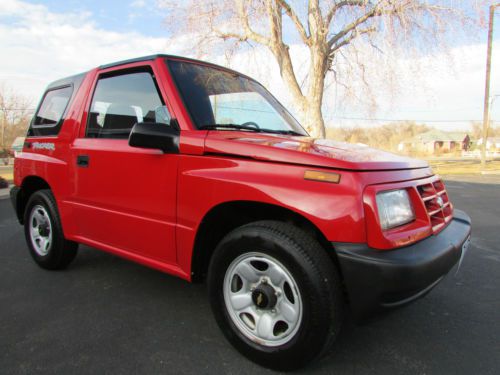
[30, 185]
[224, 217]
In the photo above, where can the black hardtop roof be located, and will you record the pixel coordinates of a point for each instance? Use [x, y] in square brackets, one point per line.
[67, 81]
[166, 56]
[152, 57]
[77, 78]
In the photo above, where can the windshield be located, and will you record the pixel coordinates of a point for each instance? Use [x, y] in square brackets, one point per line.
[216, 99]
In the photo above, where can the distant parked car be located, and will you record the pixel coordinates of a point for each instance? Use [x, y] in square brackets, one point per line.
[3, 183]
[17, 146]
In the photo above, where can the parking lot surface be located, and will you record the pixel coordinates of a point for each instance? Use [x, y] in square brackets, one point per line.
[105, 315]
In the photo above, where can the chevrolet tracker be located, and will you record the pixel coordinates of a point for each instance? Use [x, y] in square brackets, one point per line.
[198, 171]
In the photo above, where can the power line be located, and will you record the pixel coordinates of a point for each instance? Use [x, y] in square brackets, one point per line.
[400, 120]
[359, 118]
[17, 109]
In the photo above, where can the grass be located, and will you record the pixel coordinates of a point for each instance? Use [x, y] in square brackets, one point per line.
[443, 167]
[7, 176]
[7, 173]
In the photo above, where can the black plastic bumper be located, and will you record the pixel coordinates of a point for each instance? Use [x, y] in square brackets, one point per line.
[379, 280]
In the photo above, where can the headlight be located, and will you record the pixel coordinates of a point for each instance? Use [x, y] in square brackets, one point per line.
[394, 208]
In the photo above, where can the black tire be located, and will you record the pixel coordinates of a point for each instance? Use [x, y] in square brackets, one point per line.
[59, 252]
[315, 276]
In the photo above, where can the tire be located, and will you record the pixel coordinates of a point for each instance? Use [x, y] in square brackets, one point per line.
[299, 324]
[44, 234]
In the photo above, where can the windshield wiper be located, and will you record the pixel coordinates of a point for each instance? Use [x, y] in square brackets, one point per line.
[229, 126]
[249, 127]
[286, 132]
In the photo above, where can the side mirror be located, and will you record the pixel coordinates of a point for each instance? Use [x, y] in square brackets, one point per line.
[156, 136]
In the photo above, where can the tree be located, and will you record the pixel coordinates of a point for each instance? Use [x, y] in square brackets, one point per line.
[15, 113]
[328, 30]
[385, 137]
[477, 130]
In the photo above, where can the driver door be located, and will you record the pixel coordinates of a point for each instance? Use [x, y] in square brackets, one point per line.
[124, 198]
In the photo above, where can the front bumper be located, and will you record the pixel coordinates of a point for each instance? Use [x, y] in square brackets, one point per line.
[378, 280]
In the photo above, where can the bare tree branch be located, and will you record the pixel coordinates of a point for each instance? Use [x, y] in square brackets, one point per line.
[281, 51]
[354, 34]
[293, 16]
[249, 32]
[315, 21]
[331, 32]
[15, 113]
[275, 23]
[282, 54]
[375, 11]
[336, 6]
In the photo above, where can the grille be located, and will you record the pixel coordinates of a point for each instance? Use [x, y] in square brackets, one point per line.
[437, 204]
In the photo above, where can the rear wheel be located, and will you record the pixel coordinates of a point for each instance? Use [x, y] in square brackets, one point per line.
[44, 235]
[275, 294]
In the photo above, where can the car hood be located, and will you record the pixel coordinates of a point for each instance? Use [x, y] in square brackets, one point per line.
[305, 151]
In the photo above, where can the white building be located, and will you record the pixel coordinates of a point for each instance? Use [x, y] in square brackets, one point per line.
[491, 143]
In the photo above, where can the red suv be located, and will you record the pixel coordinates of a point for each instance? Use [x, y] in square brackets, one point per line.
[198, 171]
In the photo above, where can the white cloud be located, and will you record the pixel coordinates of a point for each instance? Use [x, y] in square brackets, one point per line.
[138, 4]
[137, 8]
[447, 88]
[39, 46]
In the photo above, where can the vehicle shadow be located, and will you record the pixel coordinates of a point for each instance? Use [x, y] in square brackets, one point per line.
[433, 335]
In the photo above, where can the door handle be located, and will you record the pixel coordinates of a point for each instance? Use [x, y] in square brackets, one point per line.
[82, 161]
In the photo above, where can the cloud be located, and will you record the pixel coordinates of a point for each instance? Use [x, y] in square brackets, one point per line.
[137, 8]
[39, 46]
[138, 4]
[446, 89]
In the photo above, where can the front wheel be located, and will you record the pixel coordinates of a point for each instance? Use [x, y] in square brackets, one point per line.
[275, 294]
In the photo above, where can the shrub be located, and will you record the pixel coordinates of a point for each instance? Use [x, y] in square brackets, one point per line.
[3, 183]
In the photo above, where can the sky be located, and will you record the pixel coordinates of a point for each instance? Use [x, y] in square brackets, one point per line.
[41, 41]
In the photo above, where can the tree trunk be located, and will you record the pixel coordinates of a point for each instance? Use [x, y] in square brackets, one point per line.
[312, 118]
[4, 122]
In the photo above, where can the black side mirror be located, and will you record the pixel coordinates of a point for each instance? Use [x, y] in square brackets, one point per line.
[155, 135]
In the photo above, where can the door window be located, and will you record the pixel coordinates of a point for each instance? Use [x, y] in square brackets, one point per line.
[119, 102]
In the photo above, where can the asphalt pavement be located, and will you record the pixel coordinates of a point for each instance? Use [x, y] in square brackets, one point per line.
[105, 315]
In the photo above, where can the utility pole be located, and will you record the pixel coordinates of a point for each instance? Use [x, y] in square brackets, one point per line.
[486, 113]
[4, 124]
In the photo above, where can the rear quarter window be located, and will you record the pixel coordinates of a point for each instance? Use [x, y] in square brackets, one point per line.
[49, 116]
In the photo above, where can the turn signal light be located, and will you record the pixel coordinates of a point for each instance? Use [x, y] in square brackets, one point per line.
[322, 176]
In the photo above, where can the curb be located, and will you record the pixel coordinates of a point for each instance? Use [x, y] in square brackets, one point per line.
[5, 193]
[490, 172]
